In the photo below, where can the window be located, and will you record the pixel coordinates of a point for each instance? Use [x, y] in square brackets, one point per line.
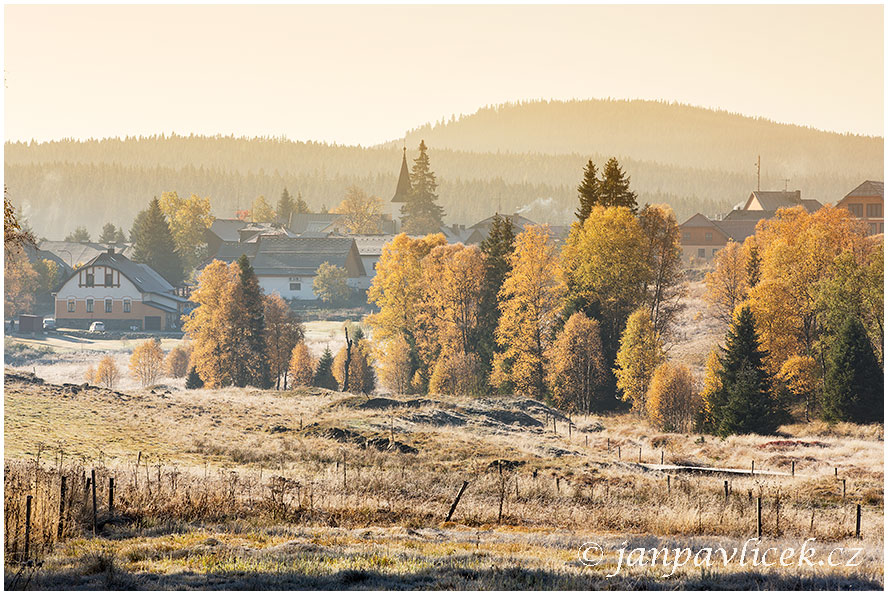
[127, 305]
[686, 236]
[856, 209]
[874, 210]
[89, 304]
[873, 228]
[708, 236]
[109, 278]
[295, 284]
[71, 306]
[714, 250]
[701, 252]
[108, 304]
[90, 279]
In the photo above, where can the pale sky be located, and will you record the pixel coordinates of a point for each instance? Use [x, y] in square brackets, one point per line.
[366, 74]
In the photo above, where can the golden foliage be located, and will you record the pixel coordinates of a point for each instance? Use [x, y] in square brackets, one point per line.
[282, 331]
[641, 351]
[261, 211]
[20, 282]
[394, 365]
[302, 366]
[107, 373]
[530, 300]
[576, 364]
[90, 375]
[208, 325]
[360, 212]
[189, 219]
[331, 284]
[146, 362]
[457, 374]
[360, 369]
[673, 402]
[726, 285]
[177, 362]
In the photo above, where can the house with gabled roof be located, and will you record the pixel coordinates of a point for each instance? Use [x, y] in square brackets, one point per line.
[867, 203]
[123, 294]
[288, 265]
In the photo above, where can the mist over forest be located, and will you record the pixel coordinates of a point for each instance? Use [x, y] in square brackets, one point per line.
[524, 157]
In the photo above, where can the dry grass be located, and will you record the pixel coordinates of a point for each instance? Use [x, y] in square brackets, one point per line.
[237, 460]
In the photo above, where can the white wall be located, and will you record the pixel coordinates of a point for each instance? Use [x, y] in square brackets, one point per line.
[281, 286]
[70, 290]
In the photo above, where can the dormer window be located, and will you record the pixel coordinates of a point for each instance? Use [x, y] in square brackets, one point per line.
[90, 279]
[109, 278]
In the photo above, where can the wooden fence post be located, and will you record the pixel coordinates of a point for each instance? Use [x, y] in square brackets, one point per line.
[662, 456]
[752, 469]
[758, 508]
[726, 490]
[793, 469]
[619, 454]
[843, 489]
[857, 529]
[344, 476]
[608, 446]
[456, 501]
[502, 492]
[27, 526]
[62, 492]
[668, 483]
[639, 455]
[110, 497]
[93, 477]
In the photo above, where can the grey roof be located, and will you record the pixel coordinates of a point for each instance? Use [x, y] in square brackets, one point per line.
[698, 220]
[868, 188]
[227, 229]
[146, 279]
[302, 222]
[518, 222]
[771, 200]
[738, 229]
[75, 253]
[811, 205]
[301, 256]
[371, 245]
[743, 215]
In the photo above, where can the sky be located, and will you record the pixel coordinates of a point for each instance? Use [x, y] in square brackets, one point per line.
[367, 74]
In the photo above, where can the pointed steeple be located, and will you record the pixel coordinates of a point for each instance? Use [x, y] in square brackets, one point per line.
[403, 189]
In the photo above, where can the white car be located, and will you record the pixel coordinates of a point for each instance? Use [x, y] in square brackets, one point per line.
[49, 324]
[97, 327]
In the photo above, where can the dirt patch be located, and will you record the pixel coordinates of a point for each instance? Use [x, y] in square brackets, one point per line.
[507, 417]
[437, 418]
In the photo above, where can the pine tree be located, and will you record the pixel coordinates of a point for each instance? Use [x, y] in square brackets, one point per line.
[421, 213]
[589, 191]
[193, 381]
[742, 403]
[324, 373]
[248, 322]
[109, 234]
[153, 243]
[301, 206]
[80, 234]
[614, 187]
[285, 207]
[497, 248]
[854, 384]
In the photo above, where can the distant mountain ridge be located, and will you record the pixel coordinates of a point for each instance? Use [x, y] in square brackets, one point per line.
[63, 184]
[657, 131]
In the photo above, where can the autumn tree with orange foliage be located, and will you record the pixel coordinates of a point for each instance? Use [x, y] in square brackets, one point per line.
[107, 373]
[177, 362]
[531, 300]
[397, 291]
[673, 402]
[799, 253]
[576, 365]
[146, 362]
[726, 285]
[302, 365]
[360, 212]
[208, 325]
[283, 330]
[394, 365]
[800, 375]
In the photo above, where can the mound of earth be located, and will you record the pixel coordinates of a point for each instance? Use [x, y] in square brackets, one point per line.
[438, 417]
[348, 436]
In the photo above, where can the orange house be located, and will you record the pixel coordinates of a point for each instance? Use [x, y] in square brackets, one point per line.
[867, 203]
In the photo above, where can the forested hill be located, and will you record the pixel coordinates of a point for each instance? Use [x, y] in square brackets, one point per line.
[657, 131]
[68, 183]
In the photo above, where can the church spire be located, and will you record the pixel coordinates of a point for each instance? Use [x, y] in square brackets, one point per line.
[403, 189]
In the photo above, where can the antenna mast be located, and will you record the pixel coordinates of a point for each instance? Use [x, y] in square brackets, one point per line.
[758, 173]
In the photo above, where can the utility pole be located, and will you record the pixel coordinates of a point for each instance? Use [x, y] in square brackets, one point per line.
[785, 184]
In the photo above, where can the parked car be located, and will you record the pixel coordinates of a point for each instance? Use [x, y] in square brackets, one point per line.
[97, 327]
[49, 324]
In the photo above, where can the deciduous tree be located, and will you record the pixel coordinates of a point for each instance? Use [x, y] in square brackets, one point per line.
[283, 330]
[261, 211]
[727, 284]
[301, 366]
[576, 365]
[529, 300]
[250, 352]
[673, 402]
[177, 362]
[107, 373]
[665, 286]
[331, 284]
[395, 369]
[360, 212]
[209, 325]
[189, 220]
[146, 362]
[641, 352]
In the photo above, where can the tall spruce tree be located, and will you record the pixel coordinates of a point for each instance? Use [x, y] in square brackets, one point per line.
[109, 234]
[323, 377]
[301, 206]
[589, 192]
[153, 243]
[743, 402]
[614, 187]
[285, 207]
[497, 248]
[854, 384]
[248, 323]
[421, 214]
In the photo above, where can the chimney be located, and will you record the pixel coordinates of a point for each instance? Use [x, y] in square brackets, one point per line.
[110, 249]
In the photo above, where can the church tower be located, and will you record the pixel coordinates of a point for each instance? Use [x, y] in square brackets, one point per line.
[403, 189]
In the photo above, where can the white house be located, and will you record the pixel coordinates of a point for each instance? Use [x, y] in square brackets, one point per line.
[287, 266]
[123, 294]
